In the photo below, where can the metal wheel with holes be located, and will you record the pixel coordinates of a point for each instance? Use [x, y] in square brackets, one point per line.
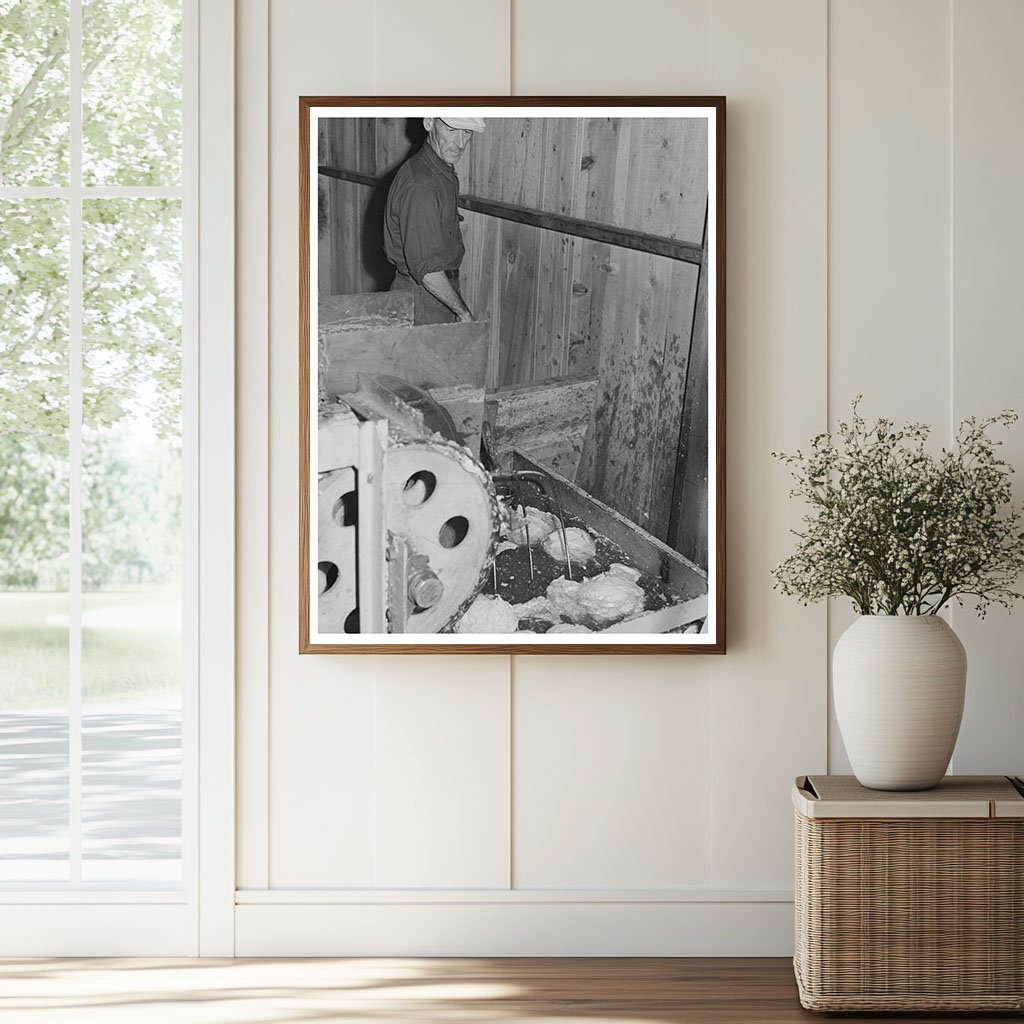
[442, 501]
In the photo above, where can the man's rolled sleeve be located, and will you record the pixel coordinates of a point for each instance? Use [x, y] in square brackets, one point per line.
[421, 217]
[424, 244]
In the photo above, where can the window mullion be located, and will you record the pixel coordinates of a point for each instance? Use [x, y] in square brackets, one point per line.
[71, 195]
[94, 191]
[75, 303]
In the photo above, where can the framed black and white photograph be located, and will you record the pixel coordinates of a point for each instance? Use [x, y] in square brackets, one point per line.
[512, 382]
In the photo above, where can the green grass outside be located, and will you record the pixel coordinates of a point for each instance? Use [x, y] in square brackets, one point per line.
[130, 647]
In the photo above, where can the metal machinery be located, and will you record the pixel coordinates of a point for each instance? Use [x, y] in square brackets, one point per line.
[408, 518]
[409, 521]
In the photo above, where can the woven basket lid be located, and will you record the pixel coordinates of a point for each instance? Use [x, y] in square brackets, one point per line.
[957, 796]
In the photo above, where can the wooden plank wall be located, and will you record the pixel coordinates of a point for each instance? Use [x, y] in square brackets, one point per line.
[351, 255]
[688, 522]
[560, 305]
[563, 305]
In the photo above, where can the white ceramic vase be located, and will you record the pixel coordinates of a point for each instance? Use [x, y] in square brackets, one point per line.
[898, 684]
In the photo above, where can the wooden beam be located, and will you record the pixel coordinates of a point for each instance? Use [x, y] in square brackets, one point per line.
[667, 618]
[688, 252]
[365, 312]
[360, 178]
[644, 551]
[688, 522]
[427, 355]
[546, 421]
[465, 405]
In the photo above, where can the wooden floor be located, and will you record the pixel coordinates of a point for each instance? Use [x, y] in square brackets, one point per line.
[382, 991]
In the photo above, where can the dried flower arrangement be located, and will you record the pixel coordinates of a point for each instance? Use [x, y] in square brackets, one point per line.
[900, 530]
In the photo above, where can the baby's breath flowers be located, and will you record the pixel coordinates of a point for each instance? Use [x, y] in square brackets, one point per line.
[897, 529]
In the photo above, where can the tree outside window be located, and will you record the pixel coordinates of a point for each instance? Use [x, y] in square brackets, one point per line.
[90, 353]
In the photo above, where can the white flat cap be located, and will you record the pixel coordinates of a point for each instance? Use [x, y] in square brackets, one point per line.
[473, 124]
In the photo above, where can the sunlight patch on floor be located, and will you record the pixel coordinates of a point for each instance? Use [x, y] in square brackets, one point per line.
[219, 991]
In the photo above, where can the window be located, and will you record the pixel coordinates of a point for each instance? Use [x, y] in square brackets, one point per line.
[95, 458]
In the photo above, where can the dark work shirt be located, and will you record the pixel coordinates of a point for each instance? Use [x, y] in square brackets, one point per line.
[421, 217]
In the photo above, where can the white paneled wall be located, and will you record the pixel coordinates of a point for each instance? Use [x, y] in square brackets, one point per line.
[987, 357]
[442, 799]
[617, 755]
[440, 48]
[252, 464]
[625, 805]
[342, 732]
[768, 693]
[889, 212]
[579, 47]
[318, 753]
[888, 334]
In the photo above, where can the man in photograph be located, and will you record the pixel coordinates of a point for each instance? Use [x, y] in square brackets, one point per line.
[422, 237]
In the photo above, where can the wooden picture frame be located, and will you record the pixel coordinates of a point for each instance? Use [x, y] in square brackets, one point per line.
[585, 390]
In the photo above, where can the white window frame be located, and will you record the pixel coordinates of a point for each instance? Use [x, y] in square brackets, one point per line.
[75, 918]
[216, 466]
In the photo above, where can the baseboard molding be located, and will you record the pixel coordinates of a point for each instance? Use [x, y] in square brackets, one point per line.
[504, 928]
[97, 929]
[333, 897]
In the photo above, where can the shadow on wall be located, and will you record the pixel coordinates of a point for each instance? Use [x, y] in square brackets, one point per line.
[378, 273]
[376, 268]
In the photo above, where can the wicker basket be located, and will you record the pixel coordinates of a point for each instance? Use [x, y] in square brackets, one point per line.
[910, 901]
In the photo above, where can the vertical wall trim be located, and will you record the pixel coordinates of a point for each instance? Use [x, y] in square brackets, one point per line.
[951, 227]
[376, 34]
[75, 430]
[711, 47]
[492, 379]
[828, 343]
[950, 128]
[511, 53]
[374, 783]
[712, 760]
[511, 712]
[216, 478]
[190, 467]
[252, 151]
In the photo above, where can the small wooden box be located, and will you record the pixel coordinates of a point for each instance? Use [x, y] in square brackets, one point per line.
[910, 901]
